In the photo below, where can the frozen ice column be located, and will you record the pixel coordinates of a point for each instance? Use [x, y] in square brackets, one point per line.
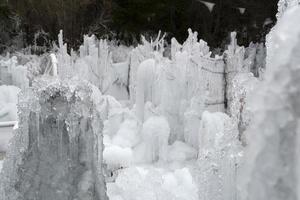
[272, 158]
[57, 151]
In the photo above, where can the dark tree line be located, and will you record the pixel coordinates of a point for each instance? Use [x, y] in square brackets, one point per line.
[125, 20]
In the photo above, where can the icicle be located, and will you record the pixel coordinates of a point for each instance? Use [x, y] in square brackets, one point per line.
[60, 39]
[54, 64]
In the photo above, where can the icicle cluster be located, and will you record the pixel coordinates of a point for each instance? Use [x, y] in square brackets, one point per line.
[142, 52]
[56, 152]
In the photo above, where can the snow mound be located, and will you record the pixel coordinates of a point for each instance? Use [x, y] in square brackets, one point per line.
[179, 152]
[116, 157]
[150, 183]
[127, 135]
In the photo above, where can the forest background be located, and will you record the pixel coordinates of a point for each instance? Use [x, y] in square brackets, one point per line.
[37, 22]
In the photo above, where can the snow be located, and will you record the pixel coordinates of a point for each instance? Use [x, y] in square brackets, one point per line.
[149, 183]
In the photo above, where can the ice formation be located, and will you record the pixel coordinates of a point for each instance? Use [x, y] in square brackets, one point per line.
[8, 103]
[164, 113]
[218, 158]
[13, 74]
[155, 136]
[271, 169]
[56, 152]
[147, 85]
